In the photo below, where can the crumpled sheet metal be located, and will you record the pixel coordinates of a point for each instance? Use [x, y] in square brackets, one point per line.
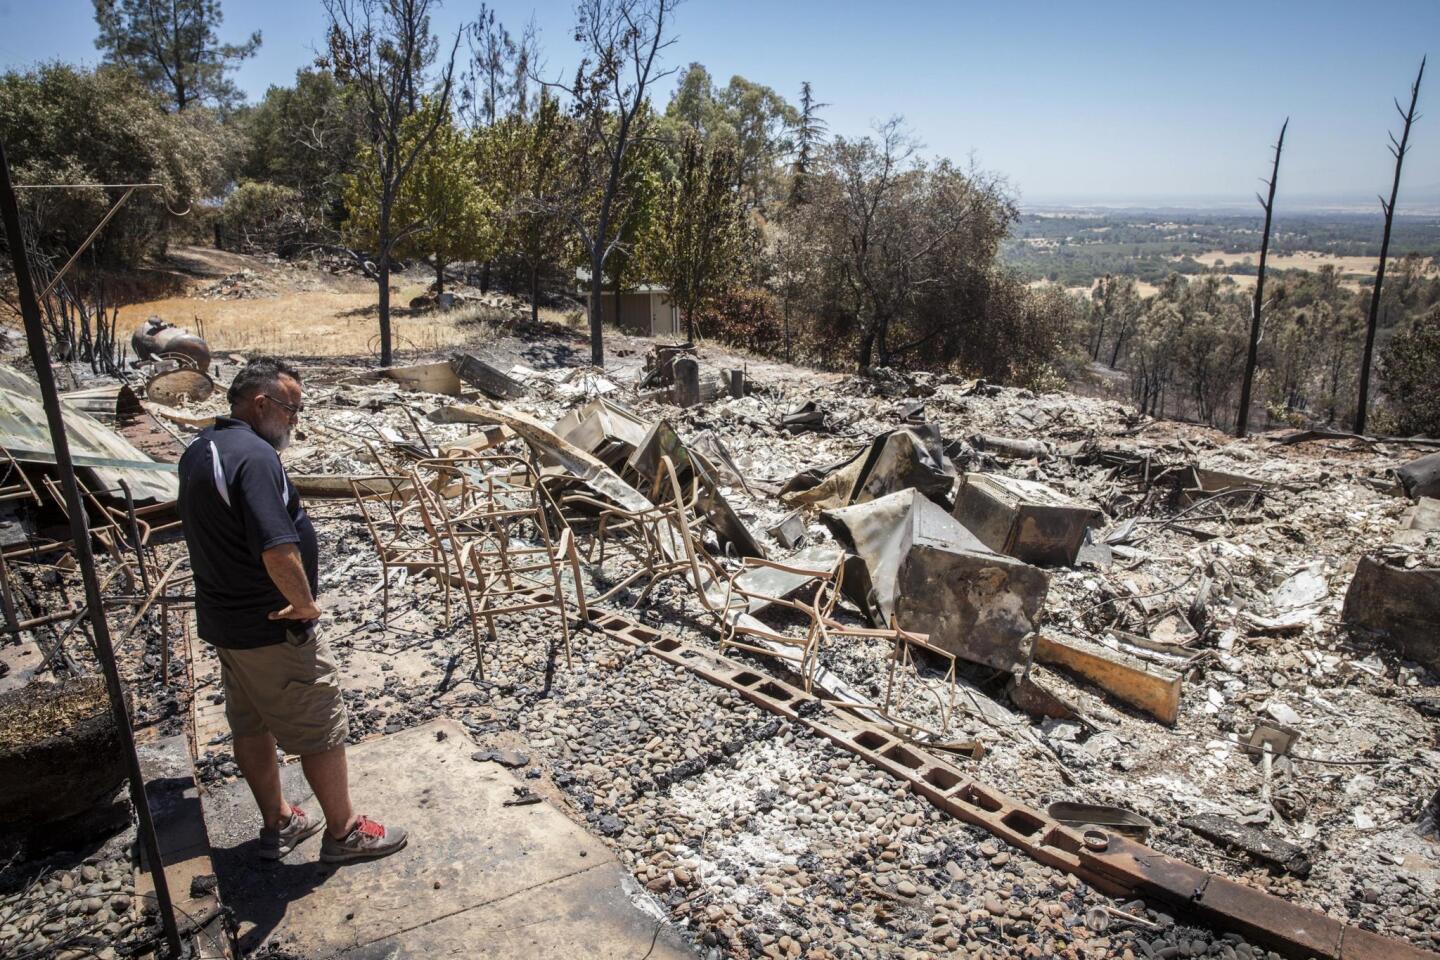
[25, 433]
[606, 430]
[1421, 477]
[911, 457]
[663, 441]
[916, 567]
[564, 455]
[1022, 518]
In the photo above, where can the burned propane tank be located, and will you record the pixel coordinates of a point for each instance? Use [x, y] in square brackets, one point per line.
[157, 339]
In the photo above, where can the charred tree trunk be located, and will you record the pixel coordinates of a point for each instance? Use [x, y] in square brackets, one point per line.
[1119, 343]
[534, 293]
[597, 334]
[1099, 339]
[1398, 150]
[867, 347]
[439, 276]
[383, 269]
[385, 355]
[1242, 420]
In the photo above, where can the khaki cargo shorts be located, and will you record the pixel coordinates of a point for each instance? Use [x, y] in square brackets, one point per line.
[291, 689]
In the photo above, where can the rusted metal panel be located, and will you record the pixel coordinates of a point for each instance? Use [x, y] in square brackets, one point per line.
[1023, 519]
[1359, 944]
[1399, 604]
[918, 568]
[485, 378]
[426, 378]
[1420, 477]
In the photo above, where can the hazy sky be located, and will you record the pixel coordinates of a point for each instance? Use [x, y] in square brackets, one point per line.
[1069, 100]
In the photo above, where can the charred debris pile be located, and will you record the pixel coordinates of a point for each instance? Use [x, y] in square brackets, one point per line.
[845, 666]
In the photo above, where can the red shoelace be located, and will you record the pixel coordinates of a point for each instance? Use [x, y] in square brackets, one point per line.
[368, 827]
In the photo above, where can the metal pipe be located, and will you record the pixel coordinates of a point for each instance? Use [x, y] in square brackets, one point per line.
[50, 396]
[83, 247]
[135, 543]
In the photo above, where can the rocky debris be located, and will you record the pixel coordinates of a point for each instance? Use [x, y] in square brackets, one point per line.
[241, 285]
[87, 909]
[764, 841]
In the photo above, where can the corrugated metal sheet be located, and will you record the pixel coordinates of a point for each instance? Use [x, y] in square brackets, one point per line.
[109, 456]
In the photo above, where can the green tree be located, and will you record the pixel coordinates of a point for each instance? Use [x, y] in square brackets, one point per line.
[440, 211]
[174, 47]
[697, 236]
[383, 49]
[622, 40]
[64, 124]
[809, 138]
[524, 161]
[906, 247]
[752, 120]
[1410, 378]
[305, 137]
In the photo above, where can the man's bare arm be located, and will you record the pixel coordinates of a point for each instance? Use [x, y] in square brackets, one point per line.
[287, 571]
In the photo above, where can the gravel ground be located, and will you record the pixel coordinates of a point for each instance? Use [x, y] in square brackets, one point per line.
[762, 840]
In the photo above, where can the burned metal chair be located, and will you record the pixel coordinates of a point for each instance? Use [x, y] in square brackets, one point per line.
[121, 534]
[662, 540]
[489, 513]
[394, 517]
[811, 590]
[903, 645]
[745, 632]
[14, 483]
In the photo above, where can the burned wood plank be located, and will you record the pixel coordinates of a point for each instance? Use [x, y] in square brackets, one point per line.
[1152, 689]
[1258, 843]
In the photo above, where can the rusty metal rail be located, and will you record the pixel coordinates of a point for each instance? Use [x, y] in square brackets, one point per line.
[1108, 861]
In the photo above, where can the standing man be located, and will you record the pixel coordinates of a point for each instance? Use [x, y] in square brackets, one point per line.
[255, 559]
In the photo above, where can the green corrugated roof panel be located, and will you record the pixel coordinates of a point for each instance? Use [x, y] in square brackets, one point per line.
[25, 433]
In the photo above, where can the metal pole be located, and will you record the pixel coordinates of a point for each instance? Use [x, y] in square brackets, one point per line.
[84, 246]
[40, 354]
[135, 535]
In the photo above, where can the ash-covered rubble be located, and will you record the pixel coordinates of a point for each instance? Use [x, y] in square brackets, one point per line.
[1214, 568]
[1223, 562]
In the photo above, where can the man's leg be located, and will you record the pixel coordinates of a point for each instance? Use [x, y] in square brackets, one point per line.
[255, 756]
[329, 777]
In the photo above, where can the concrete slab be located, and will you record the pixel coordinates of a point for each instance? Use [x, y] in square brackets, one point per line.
[477, 879]
[184, 847]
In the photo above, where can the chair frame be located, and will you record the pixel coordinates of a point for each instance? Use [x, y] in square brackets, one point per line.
[495, 492]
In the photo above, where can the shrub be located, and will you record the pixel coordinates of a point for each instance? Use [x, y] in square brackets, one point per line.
[1410, 374]
[263, 216]
[64, 124]
[748, 318]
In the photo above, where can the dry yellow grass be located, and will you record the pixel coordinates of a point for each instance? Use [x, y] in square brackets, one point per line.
[1305, 260]
[306, 323]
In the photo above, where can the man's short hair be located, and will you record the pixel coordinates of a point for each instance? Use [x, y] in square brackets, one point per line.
[259, 376]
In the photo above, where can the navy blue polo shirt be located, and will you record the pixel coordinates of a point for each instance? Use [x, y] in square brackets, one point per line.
[235, 503]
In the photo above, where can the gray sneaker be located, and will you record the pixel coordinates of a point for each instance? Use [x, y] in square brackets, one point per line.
[274, 844]
[367, 840]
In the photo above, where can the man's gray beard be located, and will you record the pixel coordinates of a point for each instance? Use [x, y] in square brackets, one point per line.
[280, 442]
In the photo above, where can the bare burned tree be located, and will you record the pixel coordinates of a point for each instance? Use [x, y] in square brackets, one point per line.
[383, 49]
[1267, 203]
[1398, 151]
[497, 81]
[623, 40]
